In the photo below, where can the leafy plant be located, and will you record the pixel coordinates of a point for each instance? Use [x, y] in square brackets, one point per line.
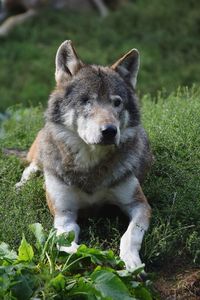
[42, 272]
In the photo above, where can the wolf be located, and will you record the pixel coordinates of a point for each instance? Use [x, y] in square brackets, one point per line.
[27, 9]
[93, 148]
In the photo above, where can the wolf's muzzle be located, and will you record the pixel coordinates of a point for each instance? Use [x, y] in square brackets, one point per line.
[109, 133]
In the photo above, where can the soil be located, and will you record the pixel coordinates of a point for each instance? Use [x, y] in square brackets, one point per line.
[181, 285]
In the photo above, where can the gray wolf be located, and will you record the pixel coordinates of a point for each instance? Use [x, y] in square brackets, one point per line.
[27, 9]
[93, 148]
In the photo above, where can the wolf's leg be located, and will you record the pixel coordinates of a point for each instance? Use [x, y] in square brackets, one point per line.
[3, 15]
[28, 171]
[3, 11]
[61, 200]
[139, 213]
[12, 21]
[101, 7]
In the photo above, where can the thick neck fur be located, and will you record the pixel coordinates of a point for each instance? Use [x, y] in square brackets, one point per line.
[90, 167]
[82, 155]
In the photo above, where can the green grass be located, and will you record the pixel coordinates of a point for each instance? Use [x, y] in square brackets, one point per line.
[172, 186]
[165, 32]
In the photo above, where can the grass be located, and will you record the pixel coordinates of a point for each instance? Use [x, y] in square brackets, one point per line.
[172, 186]
[166, 33]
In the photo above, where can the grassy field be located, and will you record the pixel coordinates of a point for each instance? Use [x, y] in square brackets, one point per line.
[167, 36]
[165, 32]
[172, 187]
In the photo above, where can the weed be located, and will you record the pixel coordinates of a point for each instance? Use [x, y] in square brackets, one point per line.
[42, 272]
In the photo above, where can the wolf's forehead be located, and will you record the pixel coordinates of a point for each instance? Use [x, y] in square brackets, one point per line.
[99, 80]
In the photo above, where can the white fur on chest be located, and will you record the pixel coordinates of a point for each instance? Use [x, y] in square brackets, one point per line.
[90, 156]
[72, 198]
[85, 156]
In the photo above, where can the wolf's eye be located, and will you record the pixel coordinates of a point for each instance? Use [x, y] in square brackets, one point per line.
[117, 102]
[85, 99]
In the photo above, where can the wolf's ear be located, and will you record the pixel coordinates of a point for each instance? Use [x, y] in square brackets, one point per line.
[67, 62]
[128, 66]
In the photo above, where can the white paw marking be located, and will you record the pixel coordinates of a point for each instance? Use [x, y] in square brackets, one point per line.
[71, 249]
[18, 185]
[3, 32]
[28, 171]
[131, 259]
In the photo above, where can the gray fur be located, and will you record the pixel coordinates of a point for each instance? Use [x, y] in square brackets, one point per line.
[82, 163]
[131, 156]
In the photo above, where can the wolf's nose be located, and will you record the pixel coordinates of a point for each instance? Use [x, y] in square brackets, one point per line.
[109, 131]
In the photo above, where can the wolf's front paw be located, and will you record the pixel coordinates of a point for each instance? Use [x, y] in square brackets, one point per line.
[71, 249]
[131, 259]
[18, 185]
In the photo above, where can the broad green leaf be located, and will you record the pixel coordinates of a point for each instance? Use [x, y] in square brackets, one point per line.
[65, 239]
[4, 283]
[22, 289]
[84, 287]
[5, 252]
[110, 285]
[138, 270]
[25, 251]
[98, 256]
[39, 233]
[124, 273]
[142, 293]
[58, 282]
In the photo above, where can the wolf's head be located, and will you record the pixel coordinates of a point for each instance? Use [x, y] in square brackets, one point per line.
[97, 103]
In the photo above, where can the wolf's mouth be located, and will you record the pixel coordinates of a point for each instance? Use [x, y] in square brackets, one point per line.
[105, 142]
